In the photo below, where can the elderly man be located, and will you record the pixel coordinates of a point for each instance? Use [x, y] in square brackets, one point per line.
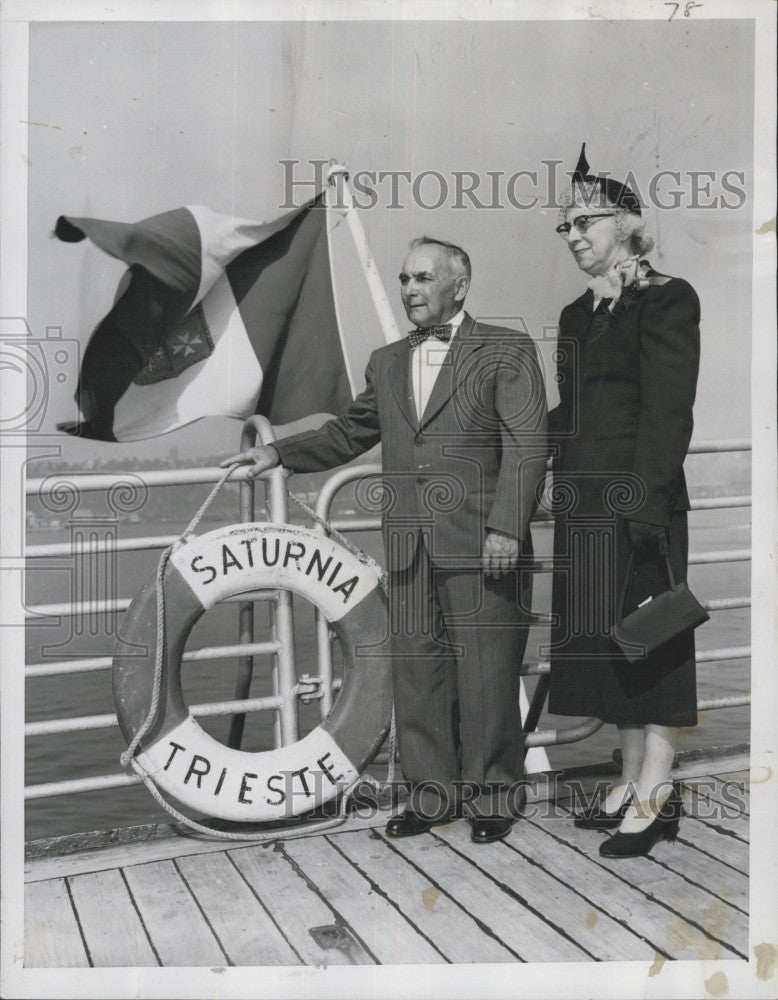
[459, 408]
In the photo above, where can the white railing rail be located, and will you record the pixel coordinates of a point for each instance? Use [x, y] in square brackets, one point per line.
[287, 687]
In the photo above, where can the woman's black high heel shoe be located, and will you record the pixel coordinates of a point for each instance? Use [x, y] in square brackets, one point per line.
[663, 827]
[595, 817]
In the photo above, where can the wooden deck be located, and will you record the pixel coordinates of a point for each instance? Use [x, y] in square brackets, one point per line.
[351, 896]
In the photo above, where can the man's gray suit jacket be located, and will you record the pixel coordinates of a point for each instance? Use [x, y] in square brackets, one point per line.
[475, 460]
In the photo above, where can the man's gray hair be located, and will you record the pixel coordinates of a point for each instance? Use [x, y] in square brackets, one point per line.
[456, 254]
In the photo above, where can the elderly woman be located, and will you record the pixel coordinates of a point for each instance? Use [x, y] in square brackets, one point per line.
[628, 357]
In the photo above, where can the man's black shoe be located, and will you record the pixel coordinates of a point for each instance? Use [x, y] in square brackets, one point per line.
[484, 831]
[410, 824]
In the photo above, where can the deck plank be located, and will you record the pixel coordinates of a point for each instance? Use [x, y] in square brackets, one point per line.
[726, 761]
[439, 917]
[106, 858]
[729, 850]
[112, 928]
[735, 827]
[246, 932]
[545, 842]
[177, 845]
[718, 814]
[592, 927]
[293, 905]
[384, 931]
[728, 883]
[729, 790]
[526, 933]
[173, 920]
[51, 935]
[725, 929]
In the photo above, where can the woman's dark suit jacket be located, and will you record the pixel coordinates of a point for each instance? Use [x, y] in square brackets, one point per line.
[627, 381]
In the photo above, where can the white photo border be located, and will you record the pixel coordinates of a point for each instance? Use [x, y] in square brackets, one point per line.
[604, 980]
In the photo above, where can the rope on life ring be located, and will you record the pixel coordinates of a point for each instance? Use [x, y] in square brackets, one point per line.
[174, 751]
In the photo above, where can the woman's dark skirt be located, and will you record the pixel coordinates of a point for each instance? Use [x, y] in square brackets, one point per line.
[589, 674]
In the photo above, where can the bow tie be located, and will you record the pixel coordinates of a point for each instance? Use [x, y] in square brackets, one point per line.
[443, 333]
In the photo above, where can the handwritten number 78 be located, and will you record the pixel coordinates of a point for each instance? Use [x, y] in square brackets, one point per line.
[688, 8]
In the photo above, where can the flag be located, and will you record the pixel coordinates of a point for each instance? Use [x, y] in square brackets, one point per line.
[216, 316]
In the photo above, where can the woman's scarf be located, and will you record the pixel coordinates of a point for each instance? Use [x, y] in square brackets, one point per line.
[628, 273]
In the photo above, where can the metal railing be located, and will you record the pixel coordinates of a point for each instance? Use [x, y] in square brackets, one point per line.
[288, 689]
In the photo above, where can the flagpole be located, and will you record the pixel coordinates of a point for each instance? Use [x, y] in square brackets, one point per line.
[337, 176]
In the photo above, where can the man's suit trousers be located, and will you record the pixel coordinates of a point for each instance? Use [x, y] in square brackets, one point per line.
[457, 641]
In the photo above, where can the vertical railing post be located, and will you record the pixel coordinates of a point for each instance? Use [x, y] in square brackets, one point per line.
[283, 672]
[323, 634]
[245, 622]
[324, 648]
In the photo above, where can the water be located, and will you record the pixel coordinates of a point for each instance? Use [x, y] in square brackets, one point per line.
[96, 752]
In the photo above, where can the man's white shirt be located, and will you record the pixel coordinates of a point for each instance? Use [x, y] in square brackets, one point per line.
[426, 361]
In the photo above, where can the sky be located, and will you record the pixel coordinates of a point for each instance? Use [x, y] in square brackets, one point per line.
[130, 119]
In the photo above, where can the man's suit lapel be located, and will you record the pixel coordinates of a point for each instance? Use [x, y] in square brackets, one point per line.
[400, 381]
[454, 370]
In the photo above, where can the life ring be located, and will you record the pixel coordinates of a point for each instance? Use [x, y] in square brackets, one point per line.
[189, 764]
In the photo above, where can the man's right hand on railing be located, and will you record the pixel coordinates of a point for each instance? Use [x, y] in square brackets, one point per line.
[259, 459]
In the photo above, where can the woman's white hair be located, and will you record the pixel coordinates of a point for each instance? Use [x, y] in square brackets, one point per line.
[631, 228]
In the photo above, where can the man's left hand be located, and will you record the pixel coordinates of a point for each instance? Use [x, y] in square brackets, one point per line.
[501, 554]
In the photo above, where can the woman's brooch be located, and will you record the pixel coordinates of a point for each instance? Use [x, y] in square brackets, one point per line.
[632, 274]
[634, 279]
[620, 285]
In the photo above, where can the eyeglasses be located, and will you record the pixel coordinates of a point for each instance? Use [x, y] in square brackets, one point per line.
[582, 223]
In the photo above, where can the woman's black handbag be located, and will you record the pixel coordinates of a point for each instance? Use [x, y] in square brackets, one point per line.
[658, 619]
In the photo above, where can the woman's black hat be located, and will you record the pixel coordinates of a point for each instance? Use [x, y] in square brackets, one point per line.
[616, 193]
